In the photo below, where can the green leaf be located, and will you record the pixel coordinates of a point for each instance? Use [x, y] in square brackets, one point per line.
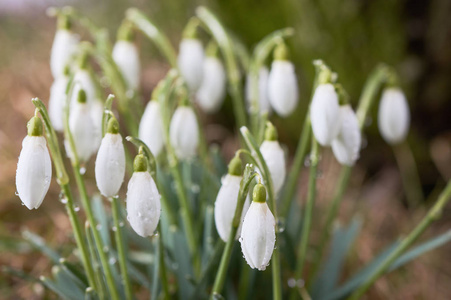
[343, 239]
[39, 243]
[181, 264]
[66, 283]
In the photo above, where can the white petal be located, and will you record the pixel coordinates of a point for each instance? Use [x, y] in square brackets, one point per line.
[83, 80]
[57, 102]
[275, 159]
[184, 132]
[190, 61]
[225, 205]
[151, 128]
[110, 165]
[258, 236]
[263, 101]
[325, 114]
[63, 49]
[97, 116]
[394, 116]
[143, 204]
[82, 128]
[126, 56]
[283, 87]
[346, 146]
[34, 171]
[212, 90]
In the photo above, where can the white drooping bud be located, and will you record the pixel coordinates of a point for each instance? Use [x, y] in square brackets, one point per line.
[346, 146]
[274, 157]
[184, 132]
[81, 126]
[57, 102]
[211, 93]
[394, 116]
[227, 199]
[34, 169]
[97, 110]
[282, 83]
[258, 234]
[126, 57]
[64, 47]
[110, 161]
[190, 62]
[325, 114]
[143, 199]
[262, 86]
[151, 128]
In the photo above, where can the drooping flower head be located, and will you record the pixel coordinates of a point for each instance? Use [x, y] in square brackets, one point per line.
[282, 83]
[346, 146]
[261, 88]
[143, 199]
[34, 169]
[184, 131]
[151, 127]
[258, 235]
[57, 100]
[394, 116]
[110, 161]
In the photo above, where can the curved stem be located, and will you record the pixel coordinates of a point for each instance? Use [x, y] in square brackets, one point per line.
[433, 214]
[249, 175]
[120, 244]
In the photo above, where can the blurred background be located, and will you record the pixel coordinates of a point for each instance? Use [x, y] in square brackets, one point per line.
[351, 36]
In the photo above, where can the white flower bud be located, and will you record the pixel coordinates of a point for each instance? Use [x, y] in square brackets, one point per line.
[151, 127]
[258, 235]
[283, 87]
[394, 116]
[325, 114]
[143, 201]
[263, 101]
[126, 56]
[190, 62]
[110, 165]
[274, 157]
[97, 116]
[63, 49]
[225, 206]
[346, 146]
[212, 90]
[184, 132]
[82, 128]
[57, 102]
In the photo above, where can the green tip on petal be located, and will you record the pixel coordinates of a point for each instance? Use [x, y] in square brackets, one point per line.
[236, 166]
[140, 163]
[281, 52]
[259, 194]
[270, 132]
[392, 79]
[34, 126]
[81, 97]
[212, 49]
[190, 31]
[64, 23]
[325, 76]
[83, 59]
[125, 32]
[113, 126]
[66, 71]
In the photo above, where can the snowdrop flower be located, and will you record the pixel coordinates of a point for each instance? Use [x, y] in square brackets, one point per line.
[274, 157]
[82, 128]
[346, 145]
[57, 101]
[84, 81]
[325, 114]
[258, 235]
[97, 110]
[282, 83]
[394, 116]
[191, 57]
[151, 127]
[211, 93]
[110, 162]
[143, 199]
[34, 169]
[227, 199]
[262, 100]
[64, 47]
[126, 56]
[184, 132]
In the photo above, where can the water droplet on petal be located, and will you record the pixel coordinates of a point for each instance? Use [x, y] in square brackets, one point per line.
[17, 193]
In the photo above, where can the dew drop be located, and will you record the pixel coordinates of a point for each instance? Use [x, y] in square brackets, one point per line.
[63, 200]
[22, 203]
[121, 224]
[307, 161]
[98, 227]
[112, 261]
[82, 170]
[114, 228]
[280, 225]
[77, 208]
[195, 188]
[105, 249]
[17, 193]
[291, 282]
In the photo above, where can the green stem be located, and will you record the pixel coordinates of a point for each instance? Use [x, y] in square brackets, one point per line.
[233, 72]
[409, 174]
[225, 259]
[433, 214]
[120, 244]
[308, 213]
[163, 274]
